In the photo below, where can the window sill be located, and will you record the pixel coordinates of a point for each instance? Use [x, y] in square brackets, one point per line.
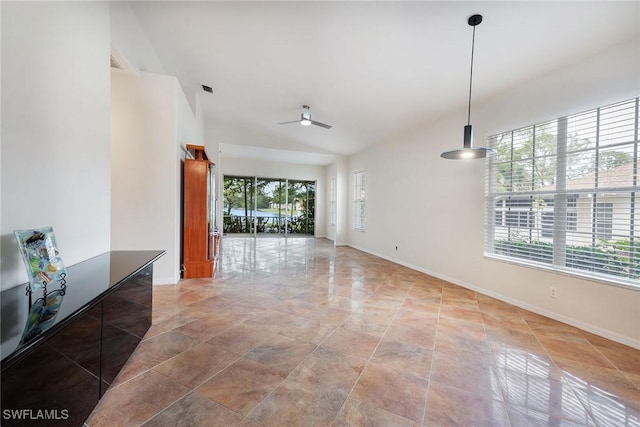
[627, 284]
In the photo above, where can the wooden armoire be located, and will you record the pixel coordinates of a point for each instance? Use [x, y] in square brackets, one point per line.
[199, 240]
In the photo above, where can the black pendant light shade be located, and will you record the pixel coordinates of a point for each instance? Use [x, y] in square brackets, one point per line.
[468, 151]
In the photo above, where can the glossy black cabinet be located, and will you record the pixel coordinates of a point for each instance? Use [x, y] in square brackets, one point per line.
[59, 376]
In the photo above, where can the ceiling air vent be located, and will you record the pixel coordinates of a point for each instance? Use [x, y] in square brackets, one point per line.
[114, 64]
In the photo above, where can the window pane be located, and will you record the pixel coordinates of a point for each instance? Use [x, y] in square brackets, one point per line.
[603, 218]
[547, 224]
[615, 167]
[572, 221]
[582, 131]
[332, 200]
[580, 169]
[544, 172]
[617, 123]
[522, 144]
[546, 135]
[522, 175]
[502, 145]
[582, 221]
[359, 201]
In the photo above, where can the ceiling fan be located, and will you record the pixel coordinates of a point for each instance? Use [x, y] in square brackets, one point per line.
[305, 119]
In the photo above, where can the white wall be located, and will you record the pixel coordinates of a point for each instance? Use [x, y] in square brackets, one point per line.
[331, 173]
[150, 121]
[339, 170]
[189, 126]
[342, 200]
[433, 209]
[55, 128]
[130, 42]
[262, 169]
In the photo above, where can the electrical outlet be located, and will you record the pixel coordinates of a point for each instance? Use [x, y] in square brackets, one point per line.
[553, 292]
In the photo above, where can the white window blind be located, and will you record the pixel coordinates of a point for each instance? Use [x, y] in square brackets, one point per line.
[562, 194]
[358, 200]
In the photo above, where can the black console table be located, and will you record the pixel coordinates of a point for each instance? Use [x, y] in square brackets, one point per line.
[58, 377]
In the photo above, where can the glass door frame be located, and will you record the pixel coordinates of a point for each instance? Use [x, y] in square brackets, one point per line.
[252, 227]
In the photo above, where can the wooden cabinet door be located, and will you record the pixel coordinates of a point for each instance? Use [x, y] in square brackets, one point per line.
[195, 246]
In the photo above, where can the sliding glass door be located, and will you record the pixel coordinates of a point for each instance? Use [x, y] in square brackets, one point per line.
[239, 200]
[268, 206]
[272, 206]
[301, 214]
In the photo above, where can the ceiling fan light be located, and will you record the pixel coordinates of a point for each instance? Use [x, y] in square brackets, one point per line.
[305, 119]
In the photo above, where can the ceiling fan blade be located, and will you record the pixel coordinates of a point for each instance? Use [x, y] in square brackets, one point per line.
[286, 123]
[323, 125]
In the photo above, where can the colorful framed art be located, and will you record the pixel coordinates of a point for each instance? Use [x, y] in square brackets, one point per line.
[41, 258]
[42, 315]
[42, 261]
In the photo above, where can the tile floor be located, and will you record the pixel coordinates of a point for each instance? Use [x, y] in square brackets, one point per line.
[298, 333]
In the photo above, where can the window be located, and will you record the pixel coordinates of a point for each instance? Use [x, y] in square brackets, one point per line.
[332, 201]
[358, 200]
[562, 194]
[572, 214]
[603, 220]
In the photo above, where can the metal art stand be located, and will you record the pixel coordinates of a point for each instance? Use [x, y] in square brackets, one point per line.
[63, 287]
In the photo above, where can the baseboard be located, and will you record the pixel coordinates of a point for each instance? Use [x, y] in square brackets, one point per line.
[165, 281]
[605, 333]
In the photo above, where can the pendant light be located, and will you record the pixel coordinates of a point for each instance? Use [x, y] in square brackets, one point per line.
[468, 151]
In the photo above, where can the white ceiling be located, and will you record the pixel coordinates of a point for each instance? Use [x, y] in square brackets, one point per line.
[373, 70]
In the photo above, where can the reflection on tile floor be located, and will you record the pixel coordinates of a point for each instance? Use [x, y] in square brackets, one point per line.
[298, 333]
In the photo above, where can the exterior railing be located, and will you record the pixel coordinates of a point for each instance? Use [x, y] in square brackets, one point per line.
[268, 224]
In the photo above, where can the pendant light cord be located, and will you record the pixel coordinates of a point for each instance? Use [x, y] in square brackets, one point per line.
[473, 42]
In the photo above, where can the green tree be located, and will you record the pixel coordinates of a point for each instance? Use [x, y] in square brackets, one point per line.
[611, 159]
[262, 199]
[295, 194]
[233, 189]
[527, 158]
[278, 196]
